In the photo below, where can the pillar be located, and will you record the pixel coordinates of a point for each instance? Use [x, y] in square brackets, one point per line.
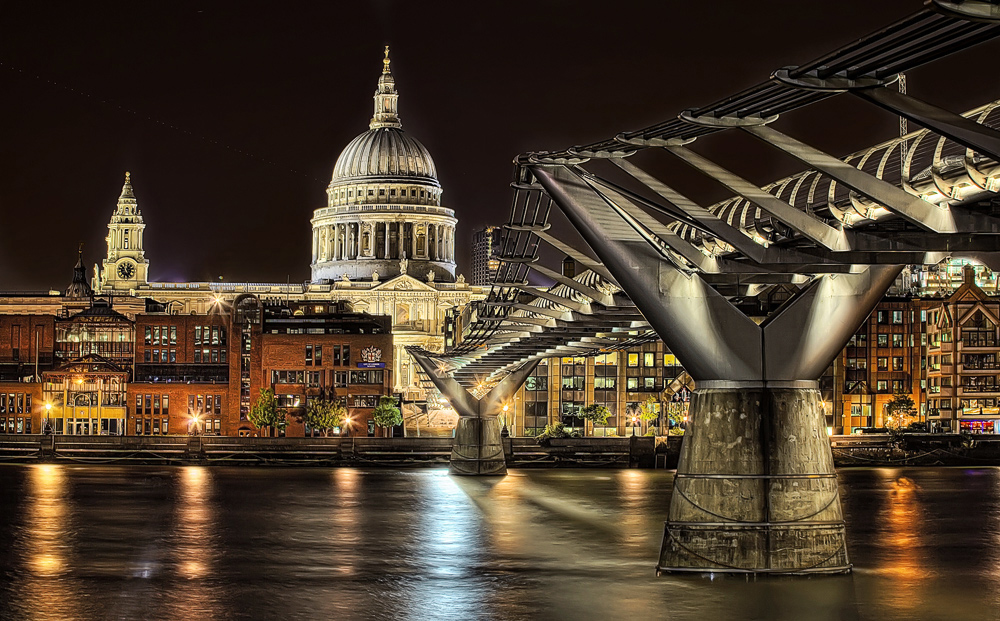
[478, 447]
[755, 489]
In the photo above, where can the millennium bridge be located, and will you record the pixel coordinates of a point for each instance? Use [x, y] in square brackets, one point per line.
[755, 490]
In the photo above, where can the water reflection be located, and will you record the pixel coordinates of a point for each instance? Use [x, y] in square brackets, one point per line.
[194, 547]
[449, 550]
[90, 542]
[47, 541]
[906, 564]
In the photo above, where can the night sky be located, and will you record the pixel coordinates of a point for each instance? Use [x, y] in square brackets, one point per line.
[231, 116]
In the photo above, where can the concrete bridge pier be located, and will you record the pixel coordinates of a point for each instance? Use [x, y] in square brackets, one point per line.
[755, 490]
[478, 446]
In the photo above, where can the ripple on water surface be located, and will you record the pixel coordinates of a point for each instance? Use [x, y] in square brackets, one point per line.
[96, 542]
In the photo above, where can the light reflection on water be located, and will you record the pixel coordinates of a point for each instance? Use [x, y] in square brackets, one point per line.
[95, 542]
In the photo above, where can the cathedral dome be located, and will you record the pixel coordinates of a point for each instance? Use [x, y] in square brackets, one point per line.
[384, 214]
[382, 153]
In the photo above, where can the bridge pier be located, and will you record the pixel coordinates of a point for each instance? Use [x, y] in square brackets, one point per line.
[755, 490]
[478, 447]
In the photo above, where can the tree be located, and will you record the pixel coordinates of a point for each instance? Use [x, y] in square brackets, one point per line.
[266, 413]
[386, 414]
[324, 415]
[898, 408]
[596, 413]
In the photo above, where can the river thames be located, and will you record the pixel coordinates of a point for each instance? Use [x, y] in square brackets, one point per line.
[106, 542]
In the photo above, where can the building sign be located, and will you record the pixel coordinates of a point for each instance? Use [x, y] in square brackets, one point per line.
[371, 358]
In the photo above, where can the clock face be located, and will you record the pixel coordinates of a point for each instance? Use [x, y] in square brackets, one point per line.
[126, 270]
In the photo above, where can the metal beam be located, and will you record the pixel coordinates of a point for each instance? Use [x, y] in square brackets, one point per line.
[733, 236]
[920, 212]
[804, 224]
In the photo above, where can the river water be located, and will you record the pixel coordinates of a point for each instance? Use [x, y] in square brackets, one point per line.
[192, 543]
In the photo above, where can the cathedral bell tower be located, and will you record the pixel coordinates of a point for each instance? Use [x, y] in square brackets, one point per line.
[126, 266]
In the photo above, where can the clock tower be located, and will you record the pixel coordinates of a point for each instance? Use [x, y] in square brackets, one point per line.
[126, 266]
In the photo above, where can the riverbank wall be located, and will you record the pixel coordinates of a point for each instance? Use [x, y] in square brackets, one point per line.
[626, 452]
[630, 452]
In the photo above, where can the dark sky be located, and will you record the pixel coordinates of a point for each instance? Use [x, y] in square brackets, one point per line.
[231, 116]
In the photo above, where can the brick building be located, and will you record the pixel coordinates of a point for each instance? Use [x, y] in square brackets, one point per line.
[313, 351]
[883, 359]
[962, 350]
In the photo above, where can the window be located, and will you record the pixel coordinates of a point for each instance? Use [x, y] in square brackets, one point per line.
[309, 355]
[366, 377]
[882, 364]
[897, 340]
[173, 335]
[604, 383]
[347, 355]
[978, 332]
[319, 355]
[881, 386]
[632, 383]
[148, 339]
[649, 359]
[897, 363]
[883, 340]
[897, 316]
[633, 360]
[536, 383]
[287, 377]
[336, 355]
[197, 335]
[340, 378]
[165, 401]
[649, 383]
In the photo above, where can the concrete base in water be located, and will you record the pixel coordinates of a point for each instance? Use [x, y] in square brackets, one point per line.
[478, 448]
[755, 490]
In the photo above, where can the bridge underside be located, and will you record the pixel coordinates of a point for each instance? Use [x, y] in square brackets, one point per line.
[755, 489]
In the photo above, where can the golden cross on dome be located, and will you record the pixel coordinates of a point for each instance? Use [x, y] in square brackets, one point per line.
[128, 177]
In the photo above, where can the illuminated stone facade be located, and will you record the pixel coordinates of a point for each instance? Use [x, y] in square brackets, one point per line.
[384, 216]
[383, 244]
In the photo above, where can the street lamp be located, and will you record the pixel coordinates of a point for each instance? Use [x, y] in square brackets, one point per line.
[504, 433]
